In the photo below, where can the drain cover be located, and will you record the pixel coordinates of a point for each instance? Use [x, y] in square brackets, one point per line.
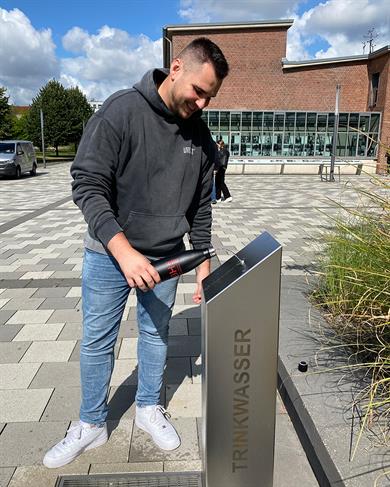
[188, 479]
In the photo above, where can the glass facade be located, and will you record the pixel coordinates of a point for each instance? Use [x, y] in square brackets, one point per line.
[294, 134]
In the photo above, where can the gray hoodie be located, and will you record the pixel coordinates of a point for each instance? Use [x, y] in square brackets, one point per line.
[144, 171]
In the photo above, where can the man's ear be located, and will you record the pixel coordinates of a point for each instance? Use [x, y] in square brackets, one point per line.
[176, 68]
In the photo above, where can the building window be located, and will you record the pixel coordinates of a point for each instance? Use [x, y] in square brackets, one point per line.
[374, 89]
[295, 134]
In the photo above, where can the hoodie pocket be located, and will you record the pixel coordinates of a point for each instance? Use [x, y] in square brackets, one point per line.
[155, 233]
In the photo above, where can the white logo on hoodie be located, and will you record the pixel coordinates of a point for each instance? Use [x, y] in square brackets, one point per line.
[188, 150]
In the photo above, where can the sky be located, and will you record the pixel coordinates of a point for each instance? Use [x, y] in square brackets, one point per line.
[102, 46]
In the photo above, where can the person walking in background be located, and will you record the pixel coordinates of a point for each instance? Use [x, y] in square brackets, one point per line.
[221, 166]
[116, 169]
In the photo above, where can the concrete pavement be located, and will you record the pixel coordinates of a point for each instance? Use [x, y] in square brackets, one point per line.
[41, 234]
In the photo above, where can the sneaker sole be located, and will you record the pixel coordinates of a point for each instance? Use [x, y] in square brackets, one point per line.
[56, 464]
[160, 445]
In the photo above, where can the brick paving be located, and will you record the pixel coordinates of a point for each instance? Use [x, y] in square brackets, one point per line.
[41, 234]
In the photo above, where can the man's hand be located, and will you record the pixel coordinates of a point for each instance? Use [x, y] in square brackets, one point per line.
[136, 268]
[202, 271]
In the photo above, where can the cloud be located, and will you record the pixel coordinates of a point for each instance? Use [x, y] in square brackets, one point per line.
[344, 23]
[27, 56]
[108, 61]
[340, 25]
[232, 10]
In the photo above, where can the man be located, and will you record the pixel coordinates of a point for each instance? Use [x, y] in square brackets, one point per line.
[221, 165]
[142, 178]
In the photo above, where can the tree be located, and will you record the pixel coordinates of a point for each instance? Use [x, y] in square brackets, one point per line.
[5, 115]
[19, 126]
[64, 111]
[54, 102]
[79, 113]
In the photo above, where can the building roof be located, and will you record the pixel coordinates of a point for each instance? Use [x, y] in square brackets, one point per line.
[229, 25]
[334, 60]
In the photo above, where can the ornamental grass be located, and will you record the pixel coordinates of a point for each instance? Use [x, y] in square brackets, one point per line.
[354, 289]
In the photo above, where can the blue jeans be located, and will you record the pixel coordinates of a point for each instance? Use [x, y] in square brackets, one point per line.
[104, 295]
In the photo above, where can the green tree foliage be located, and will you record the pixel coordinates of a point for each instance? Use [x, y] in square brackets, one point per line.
[79, 113]
[64, 113]
[53, 100]
[19, 127]
[5, 115]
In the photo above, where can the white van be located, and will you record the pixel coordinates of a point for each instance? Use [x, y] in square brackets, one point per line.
[17, 157]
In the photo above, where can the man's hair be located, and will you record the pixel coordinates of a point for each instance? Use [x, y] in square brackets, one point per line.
[203, 50]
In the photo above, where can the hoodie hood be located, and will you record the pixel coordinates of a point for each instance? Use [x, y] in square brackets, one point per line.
[147, 87]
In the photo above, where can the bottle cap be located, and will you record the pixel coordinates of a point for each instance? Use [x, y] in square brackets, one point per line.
[302, 366]
[212, 252]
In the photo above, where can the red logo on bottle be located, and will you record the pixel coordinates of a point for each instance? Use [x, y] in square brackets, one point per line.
[174, 268]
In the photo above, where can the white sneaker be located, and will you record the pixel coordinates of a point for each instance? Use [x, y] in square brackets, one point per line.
[153, 420]
[228, 200]
[79, 438]
[219, 200]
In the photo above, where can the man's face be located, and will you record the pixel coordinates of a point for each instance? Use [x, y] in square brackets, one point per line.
[192, 88]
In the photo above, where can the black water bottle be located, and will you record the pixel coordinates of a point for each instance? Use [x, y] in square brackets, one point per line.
[181, 263]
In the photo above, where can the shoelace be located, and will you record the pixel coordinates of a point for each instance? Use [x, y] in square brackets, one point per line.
[72, 433]
[159, 419]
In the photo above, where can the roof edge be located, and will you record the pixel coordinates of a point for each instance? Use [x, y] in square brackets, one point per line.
[315, 62]
[230, 25]
[334, 60]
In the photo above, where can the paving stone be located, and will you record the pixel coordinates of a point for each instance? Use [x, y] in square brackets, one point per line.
[46, 351]
[178, 326]
[194, 326]
[64, 315]
[184, 400]
[71, 331]
[183, 466]
[3, 302]
[74, 292]
[23, 304]
[51, 292]
[75, 356]
[38, 332]
[25, 443]
[288, 452]
[128, 329]
[5, 475]
[139, 467]
[5, 316]
[64, 405]
[8, 332]
[121, 402]
[57, 374]
[125, 373]
[118, 445]
[196, 369]
[143, 448]
[183, 346]
[38, 475]
[186, 311]
[128, 348]
[12, 352]
[23, 405]
[178, 370]
[60, 303]
[31, 316]
[17, 376]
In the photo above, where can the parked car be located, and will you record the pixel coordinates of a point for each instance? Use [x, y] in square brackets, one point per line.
[17, 157]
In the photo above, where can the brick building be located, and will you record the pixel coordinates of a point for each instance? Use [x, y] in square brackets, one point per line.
[272, 109]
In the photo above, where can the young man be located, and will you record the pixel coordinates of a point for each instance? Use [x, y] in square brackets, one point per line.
[142, 178]
[221, 165]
